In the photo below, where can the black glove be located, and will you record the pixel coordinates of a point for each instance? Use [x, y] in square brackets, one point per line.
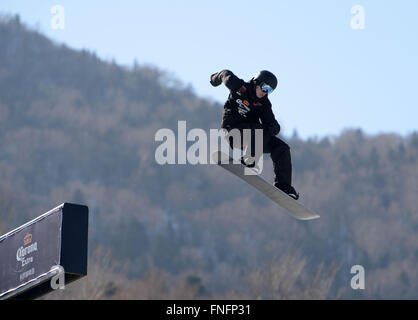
[214, 80]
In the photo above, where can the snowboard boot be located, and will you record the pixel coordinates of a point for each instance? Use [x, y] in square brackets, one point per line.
[288, 189]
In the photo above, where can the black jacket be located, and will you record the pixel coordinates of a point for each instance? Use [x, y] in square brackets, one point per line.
[243, 109]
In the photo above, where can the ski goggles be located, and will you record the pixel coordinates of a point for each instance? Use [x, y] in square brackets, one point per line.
[266, 88]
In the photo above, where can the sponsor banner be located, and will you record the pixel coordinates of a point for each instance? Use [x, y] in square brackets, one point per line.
[30, 251]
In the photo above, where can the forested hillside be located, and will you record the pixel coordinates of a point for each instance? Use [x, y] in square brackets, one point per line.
[75, 128]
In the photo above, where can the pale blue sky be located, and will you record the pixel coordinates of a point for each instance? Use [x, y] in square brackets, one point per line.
[331, 77]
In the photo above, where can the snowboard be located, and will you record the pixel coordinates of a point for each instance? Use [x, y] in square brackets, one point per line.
[292, 206]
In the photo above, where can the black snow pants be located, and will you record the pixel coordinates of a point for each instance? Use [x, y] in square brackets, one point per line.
[277, 148]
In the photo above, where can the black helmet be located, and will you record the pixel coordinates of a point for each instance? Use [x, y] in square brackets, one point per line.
[266, 77]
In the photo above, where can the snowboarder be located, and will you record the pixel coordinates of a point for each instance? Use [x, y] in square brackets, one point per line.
[248, 107]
